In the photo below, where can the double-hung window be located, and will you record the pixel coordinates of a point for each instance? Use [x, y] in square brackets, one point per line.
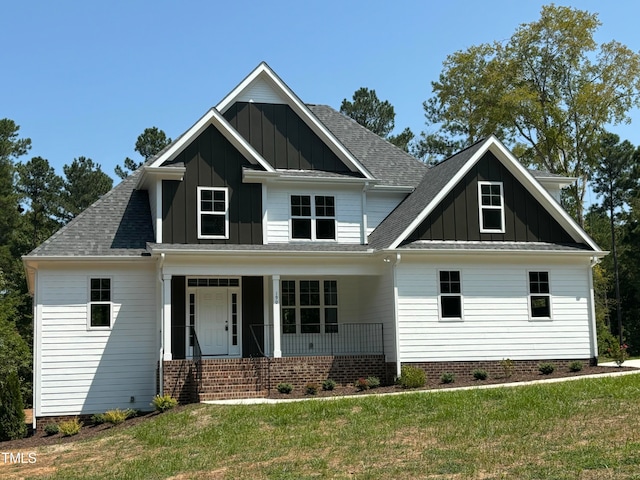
[450, 294]
[100, 303]
[539, 295]
[491, 201]
[213, 212]
[313, 217]
[309, 306]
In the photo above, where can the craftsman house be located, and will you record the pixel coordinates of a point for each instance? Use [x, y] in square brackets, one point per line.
[281, 241]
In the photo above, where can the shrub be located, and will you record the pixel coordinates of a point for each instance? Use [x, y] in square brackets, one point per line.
[311, 388]
[97, 419]
[285, 388]
[373, 382]
[480, 374]
[575, 366]
[328, 384]
[507, 367]
[12, 420]
[162, 403]
[618, 353]
[546, 368]
[70, 427]
[447, 377]
[115, 416]
[51, 429]
[412, 377]
[361, 384]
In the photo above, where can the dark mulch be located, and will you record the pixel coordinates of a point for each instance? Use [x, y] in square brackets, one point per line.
[37, 439]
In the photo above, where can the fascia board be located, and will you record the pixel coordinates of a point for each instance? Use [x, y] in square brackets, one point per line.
[151, 174]
[263, 70]
[441, 195]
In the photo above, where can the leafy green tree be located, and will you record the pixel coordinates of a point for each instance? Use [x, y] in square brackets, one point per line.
[375, 115]
[149, 143]
[12, 418]
[84, 183]
[548, 91]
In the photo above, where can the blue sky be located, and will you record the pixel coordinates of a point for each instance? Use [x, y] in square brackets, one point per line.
[85, 78]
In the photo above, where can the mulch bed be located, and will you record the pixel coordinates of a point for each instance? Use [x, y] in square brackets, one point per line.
[37, 439]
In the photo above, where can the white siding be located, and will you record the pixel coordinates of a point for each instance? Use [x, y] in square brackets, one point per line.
[260, 92]
[496, 321]
[379, 206]
[377, 303]
[88, 371]
[348, 213]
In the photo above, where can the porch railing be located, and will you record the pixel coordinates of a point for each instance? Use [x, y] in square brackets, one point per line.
[186, 335]
[327, 339]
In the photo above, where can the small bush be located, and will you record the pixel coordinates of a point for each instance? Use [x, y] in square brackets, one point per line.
[12, 421]
[575, 366]
[546, 368]
[412, 377]
[311, 388]
[162, 403]
[373, 382]
[480, 374]
[329, 384]
[70, 427]
[507, 367]
[51, 429]
[116, 416]
[447, 377]
[361, 384]
[285, 388]
[97, 419]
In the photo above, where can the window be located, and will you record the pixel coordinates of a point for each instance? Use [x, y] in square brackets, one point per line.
[100, 302]
[309, 306]
[539, 297]
[491, 207]
[313, 218]
[450, 294]
[213, 212]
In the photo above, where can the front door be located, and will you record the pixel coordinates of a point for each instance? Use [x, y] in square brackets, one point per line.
[212, 321]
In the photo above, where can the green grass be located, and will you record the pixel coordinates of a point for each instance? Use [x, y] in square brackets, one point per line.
[586, 429]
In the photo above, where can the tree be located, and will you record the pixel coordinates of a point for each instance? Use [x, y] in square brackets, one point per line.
[148, 144]
[613, 182]
[549, 91]
[376, 116]
[12, 418]
[84, 183]
[40, 188]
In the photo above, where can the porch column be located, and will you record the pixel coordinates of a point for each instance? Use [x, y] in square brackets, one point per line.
[275, 303]
[166, 317]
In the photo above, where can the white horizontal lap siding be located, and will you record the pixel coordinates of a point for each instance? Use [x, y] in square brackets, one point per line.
[496, 321]
[379, 206]
[88, 371]
[348, 212]
[377, 304]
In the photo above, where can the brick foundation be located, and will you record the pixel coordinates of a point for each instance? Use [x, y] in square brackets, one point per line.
[42, 422]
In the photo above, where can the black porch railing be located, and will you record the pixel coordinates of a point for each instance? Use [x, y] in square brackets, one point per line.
[185, 335]
[317, 339]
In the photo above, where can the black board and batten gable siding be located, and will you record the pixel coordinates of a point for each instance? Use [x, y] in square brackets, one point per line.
[457, 216]
[282, 137]
[211, 161]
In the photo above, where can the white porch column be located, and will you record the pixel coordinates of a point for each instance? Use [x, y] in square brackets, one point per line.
[166, 317]
[275, 303]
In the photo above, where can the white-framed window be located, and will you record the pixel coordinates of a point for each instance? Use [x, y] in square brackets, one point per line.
[100, 303]
[309, 306]
[491, 206]
[450, 289]
[213, 212]
[313, 217]
[539, 295]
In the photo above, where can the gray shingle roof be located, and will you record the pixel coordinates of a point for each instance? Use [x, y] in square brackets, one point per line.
[434, 181]
[272, 247]
[385, 161]
[501, 246]
[118, 224]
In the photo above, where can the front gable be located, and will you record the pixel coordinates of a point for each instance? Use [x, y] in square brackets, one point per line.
[457, 217]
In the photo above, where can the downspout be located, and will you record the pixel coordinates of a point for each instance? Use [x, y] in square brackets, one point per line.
[592, 312]
[395, 313]
[161, 353]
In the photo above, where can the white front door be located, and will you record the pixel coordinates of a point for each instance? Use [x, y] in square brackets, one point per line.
[212, 321]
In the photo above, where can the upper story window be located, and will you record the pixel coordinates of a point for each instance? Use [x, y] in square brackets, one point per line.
[100, 303]
[450, 294]
[491, 201]
[313, 217]
[213, 212]
[539, 295]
